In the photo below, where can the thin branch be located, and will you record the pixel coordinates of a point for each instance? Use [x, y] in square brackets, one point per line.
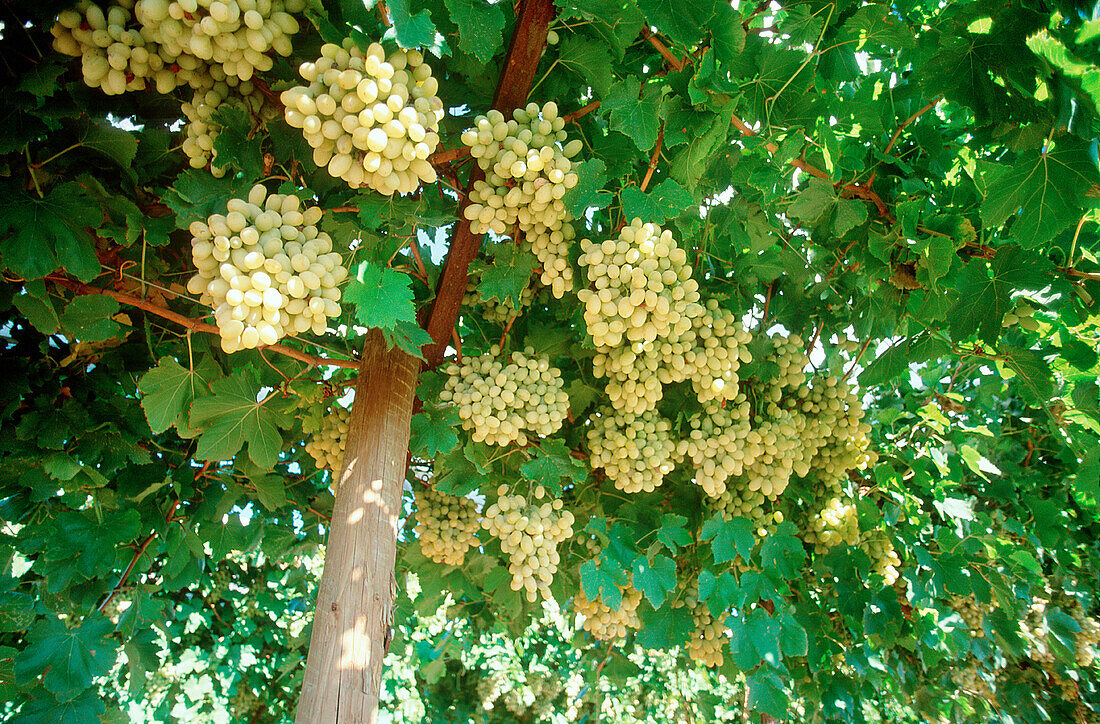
[767, 304]
[440, 158]
[137, 556]
[856, 360]
[654, 158]
[193, 325]
[910, 119]
[667, 54]
[580, 113]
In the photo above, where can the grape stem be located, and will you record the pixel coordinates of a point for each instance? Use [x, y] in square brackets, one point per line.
[657, 43]
[654, 158]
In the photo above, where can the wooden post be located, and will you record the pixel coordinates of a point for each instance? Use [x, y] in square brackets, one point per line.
[351, 623]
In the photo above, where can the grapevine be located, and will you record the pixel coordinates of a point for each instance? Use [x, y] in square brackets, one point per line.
[529, 534]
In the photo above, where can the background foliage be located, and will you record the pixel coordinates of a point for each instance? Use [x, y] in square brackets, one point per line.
[899, 175]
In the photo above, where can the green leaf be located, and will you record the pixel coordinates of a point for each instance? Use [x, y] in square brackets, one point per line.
[655, 579]
[588, 193]
[433, 432]
[603, 578]
[88, 318]
[672, 533]
[766, 693]
[634, 111]
[683, 22]
[46, 234]
[69, 660]
[730, 538]
[233, 415]
[590, 60]
[782, 552]
[1034, 374]
[552, 463]
[196, 195]
[508, 274]
[411, 31]
[1045, 192]
[236, 146]
[792, 636]
[85, 708]
[480, 27]
[665, 627]
[169, 389]
[820, 206]
[35, 304]
[667, 200]
[897, 359]
[873, 25]
[383, 298]
[984, 299]
[456, 475]
[116, 144]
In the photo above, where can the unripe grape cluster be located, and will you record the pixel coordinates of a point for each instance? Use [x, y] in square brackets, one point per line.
[720, 348]
[835, 524]
[527, 172]
[721, 444]
[884, 559]
[327, 443]
[1023, 315]
[503, 401]
[604, 622]
[529, 533]
[709, 635]
[371, 119]
[970, 679]
[201, 129]
[635, 451]
[971, 613]
[446, 525]
[266, 270]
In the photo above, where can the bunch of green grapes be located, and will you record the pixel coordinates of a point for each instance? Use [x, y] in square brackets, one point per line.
[1087, 639]
[970, 679]
[784, 450]
[244, 703]
[971, 613]
[501, 402]
[721, 444]
[739, 501]
[841, 438]
[446, 525]
[791, 359]
[329, 439]
[493, 310]
[117, 53]
[635, 451]
[529, 534]
[527, 171]
[884, 559]
[719, 350]
[1023, 315]
[266, 269]
[604, 622]
[371, 120]
[233, 34]
[534, 697]
[835, 524]
[490, 688]
[709, 636]
[201, 129]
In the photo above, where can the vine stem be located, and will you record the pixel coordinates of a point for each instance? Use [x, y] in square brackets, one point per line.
[193, 325]
[657, 43]
[654, 158]
[856, 361]
[137, 556]
[767, 304]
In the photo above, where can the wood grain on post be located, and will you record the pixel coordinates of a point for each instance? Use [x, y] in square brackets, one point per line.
[355, 604]
[528, 42]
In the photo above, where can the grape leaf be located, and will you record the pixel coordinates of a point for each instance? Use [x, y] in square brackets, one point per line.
[456, 475]
[233, 415]
[411, 31]
[683, 22]
[169, 389]
[236, 146]
[590, 60]
[792, 636]
[35, 304]
[508, 274]
[766, 692]
[782, 552]
[635, 111]
[196, 195]
[588, 193]
[70, 659]
[898, 359]
[45, 234]
[820, 207]
[433, 432]
[382, 297]
[667, 200]
[88, 318]
[553, 462]
[602, 578]
[655, 579]
[730, 538]
[665, 627]
[672, 533]
[113, 142]
[984, 299]
[480, 27]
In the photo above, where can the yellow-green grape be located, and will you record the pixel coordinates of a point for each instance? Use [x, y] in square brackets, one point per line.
[503, 401]
[532, 698]
[884, 559]
[785, 448]
[1087, 639]
[266, 270]
[201, 129]
[635, 451]
[327, 444]
[708, 639]
[446, 525]
[235, 35]
[529, 534]
[606, 623]
[971, 613]
[720, 348]
[1021, 314]
[790, 357]
[494, 310]
[970, 679]
[527, 171]
[839, 435]
[741, 502]
[721, 444]
[835, 524]
[372, 120]
[243, 703]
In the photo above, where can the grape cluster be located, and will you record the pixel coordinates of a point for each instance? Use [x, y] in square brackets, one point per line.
[604, 622]
[447, 525]
[835, 524]
[884, 559]
[502, 402]
[372, 120]
[266, 269]
[720, 348]
[971, 613]
[529, 534]
[709, 635]
[327, 442]
[635, 451]
[493, 310]
[527, 172]
[971, 680]
[1023, 315]
[534, 698]
[721, 444]
[743, 502]
[201, 129]
[233, 34]
[790, 357]
[244, 703]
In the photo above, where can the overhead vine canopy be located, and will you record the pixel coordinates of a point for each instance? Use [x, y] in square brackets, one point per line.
[760, 335]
